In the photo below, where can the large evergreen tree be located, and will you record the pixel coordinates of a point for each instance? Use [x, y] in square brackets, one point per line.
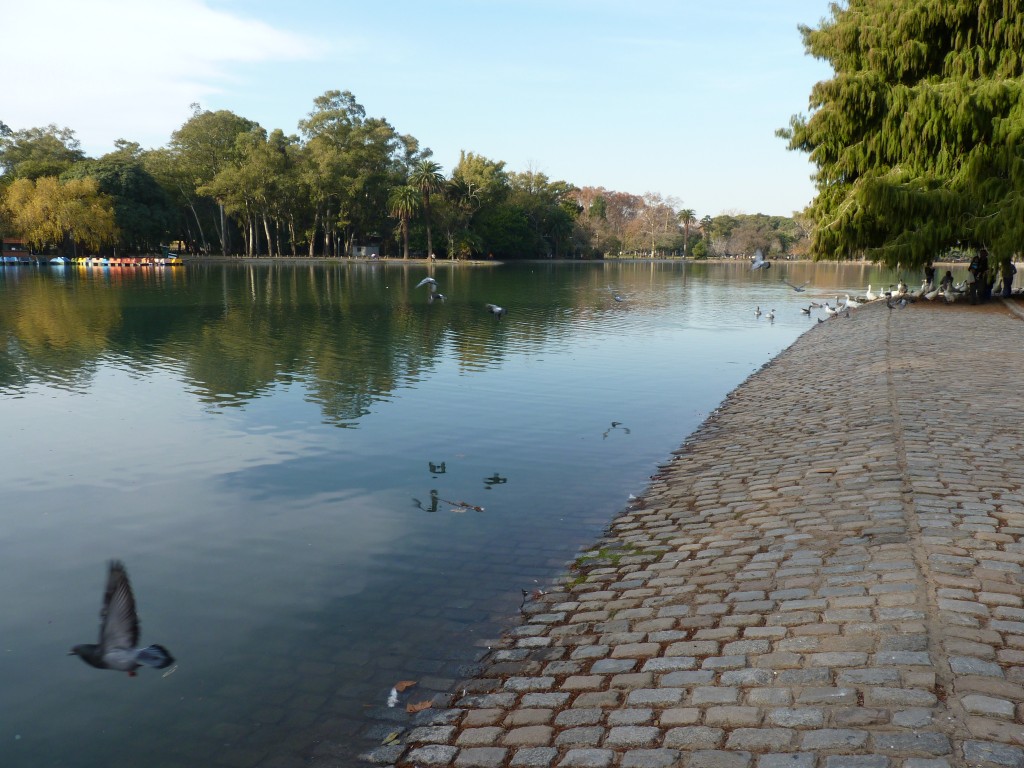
[916, 138]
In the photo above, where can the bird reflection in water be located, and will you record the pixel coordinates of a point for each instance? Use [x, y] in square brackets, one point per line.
[615, 425]
[436, 469]
[493, 480]
[433, 502]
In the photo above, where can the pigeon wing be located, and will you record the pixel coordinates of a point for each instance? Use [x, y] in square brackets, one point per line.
[119, 623]
[426, 281]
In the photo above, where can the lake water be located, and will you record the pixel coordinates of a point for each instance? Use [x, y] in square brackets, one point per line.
[287, 457]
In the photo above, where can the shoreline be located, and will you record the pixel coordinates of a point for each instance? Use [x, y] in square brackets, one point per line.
[807, 576]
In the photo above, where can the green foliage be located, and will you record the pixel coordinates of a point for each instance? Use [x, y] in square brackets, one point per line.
[916, 137]
[36, 152]
[142, 210]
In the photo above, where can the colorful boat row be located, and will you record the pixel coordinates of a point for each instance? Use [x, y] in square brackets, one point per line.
[170, 260]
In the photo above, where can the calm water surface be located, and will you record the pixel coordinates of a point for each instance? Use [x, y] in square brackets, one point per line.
[270, 449]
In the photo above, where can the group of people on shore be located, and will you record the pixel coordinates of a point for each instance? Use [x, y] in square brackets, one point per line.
[981, 279]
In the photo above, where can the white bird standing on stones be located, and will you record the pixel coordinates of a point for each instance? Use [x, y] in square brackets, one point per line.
[869, 294]
[850, 303]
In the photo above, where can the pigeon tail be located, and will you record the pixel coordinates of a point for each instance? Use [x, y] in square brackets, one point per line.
[154, 656]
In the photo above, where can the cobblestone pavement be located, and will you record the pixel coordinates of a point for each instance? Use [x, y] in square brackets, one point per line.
[828, 574]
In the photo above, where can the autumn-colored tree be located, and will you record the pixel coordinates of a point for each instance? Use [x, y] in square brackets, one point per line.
[47, 212]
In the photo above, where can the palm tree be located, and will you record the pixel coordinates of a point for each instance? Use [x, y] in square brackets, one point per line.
[686, 216]
[403, 203]
[426, 177]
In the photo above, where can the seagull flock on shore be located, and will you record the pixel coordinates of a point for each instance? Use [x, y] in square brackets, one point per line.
[895, 296]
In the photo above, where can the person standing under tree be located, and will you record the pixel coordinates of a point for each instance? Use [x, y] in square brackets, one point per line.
[984, 286]
[929, 274]
[1008, 271]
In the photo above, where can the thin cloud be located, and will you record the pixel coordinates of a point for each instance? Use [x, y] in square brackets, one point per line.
[113, 69]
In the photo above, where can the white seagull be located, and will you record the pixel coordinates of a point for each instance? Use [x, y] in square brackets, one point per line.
[428, 281]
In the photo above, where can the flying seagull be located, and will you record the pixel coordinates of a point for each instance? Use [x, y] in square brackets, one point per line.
[119, 631]
[798, 288]
[495, 310]
[759, 261]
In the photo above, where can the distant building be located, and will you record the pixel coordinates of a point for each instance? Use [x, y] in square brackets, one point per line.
[366, 251]
[13, 251]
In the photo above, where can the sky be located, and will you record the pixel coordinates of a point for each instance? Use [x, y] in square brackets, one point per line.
[680, 98]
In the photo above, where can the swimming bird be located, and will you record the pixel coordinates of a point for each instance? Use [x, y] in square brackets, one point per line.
[757, 311]
[438, 296]
[798, 288]
[495, 310]
[805, 310]
[428, 281]
[771, 315]
[759, 261]
[119, 631]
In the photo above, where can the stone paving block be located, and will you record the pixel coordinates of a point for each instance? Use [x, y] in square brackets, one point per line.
[650, 758]
[694, 737]
[534, 757]
[481, 757]
[433, 754]
[719, 759]
[587, 758]
[987, 754]
[787, 760]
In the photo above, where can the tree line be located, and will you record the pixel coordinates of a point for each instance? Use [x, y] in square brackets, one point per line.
[223, 184]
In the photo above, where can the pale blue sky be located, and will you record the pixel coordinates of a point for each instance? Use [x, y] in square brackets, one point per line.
[677, 97]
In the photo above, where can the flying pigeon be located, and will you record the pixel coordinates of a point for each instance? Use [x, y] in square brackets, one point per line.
[119, 631]
[759, 261]
[428, 281]
[798, 288]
